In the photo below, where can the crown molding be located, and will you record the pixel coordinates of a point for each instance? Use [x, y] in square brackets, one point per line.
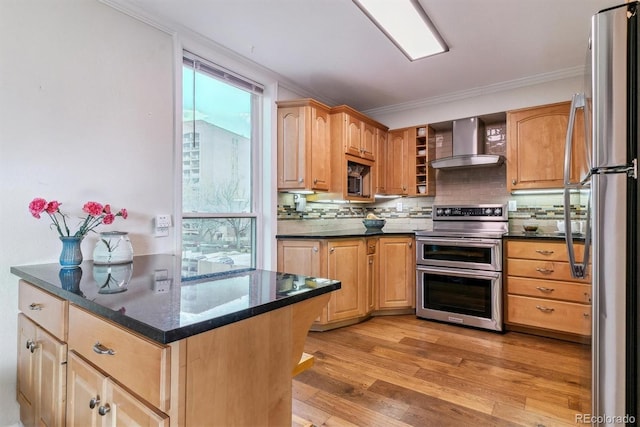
[484, 90]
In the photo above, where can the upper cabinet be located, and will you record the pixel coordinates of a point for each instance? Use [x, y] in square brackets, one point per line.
[407, 171]
[536, 146]
[353, 132]
[304, 145]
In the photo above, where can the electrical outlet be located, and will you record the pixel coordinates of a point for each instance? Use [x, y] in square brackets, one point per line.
[163, 221]
[399, 206]
[513, 206]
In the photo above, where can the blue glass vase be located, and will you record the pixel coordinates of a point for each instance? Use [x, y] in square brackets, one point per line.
[71, 255]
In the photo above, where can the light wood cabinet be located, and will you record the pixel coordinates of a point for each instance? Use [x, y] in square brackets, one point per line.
[536, 139]
[398, 167]
[377, 274]
[304, 145]
[381, 161]
[541, 295]
[397, 273]
[408, 171]
[353, 133]
[41, 379]
[96, 400]
[346, 262]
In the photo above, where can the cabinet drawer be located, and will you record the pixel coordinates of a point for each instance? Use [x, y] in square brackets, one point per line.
[568, 291]
[538, 269]
[549, 314]
[537, 249]
[45, 309]
[138, 363]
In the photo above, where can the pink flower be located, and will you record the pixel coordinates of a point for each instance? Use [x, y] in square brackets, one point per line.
[97, 214]
[93, 208]
[52, 207]
[36, 206]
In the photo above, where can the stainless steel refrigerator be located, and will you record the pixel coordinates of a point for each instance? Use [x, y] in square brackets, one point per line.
[611, 112]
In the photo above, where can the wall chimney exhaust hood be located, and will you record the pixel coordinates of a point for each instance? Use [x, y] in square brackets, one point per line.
[468, 147]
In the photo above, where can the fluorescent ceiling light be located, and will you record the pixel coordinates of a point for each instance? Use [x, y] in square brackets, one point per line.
[407, 26]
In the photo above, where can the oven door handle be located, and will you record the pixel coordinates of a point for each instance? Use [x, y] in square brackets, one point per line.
[460, 241]
[460, 272]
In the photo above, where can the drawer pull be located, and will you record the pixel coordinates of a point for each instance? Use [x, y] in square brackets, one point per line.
[544, 270]
[94, 401]
[544, 252]
[543, 289]
[104, 410]
[100, 349]
[545, 309]
[585, 315]
[35, 306]
[31, 345]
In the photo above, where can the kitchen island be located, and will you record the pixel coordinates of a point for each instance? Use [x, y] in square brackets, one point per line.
[137, 342]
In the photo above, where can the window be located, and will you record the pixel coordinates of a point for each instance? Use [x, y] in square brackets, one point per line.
[220, 134]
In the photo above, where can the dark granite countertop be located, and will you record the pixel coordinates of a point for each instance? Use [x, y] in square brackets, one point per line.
[360, 232]
[541, 236]
[154, 305]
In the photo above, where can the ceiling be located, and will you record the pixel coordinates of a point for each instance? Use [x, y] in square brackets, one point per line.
[331, 50]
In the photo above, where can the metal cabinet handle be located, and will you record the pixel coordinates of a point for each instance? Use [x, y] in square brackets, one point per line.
[544, 252]
[34, 306]
[94, 401]
[513, 182]
[100, 349]
[410, 244]
[544, 270]
[585, 315]
[301, 180]
[315, 249]
[332, 250]
[370, 261]
[545, 309]
[103, 410]
[31, 345]
[543, 289]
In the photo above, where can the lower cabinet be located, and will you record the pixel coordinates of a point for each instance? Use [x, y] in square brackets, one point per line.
[41, 375]
[541, 295]
[377, 274]
[96, 400]
[397, 274]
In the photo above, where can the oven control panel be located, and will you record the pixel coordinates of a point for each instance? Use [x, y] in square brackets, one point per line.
[478, 213]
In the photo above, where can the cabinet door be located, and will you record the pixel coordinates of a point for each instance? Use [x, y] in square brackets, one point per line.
[291, 147]
[27, 370]
[51, 385]
[126, 410]
[319, 153]
[346, 263]
[86, 393]
[368, 141]
[300, 257]
[353, 135]
[536, 142]
[397, 158]
[397, 273]
[381, 162]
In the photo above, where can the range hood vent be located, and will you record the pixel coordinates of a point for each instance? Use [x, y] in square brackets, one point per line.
[468, 147]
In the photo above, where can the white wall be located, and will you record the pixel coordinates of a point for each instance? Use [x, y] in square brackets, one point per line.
[86, 113]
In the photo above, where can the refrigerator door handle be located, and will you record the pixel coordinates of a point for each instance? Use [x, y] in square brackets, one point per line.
[577, 101]
[578, 271]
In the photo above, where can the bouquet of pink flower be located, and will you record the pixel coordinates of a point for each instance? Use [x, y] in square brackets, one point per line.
[96, 214]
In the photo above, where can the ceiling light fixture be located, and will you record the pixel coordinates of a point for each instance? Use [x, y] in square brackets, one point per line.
[406, 24]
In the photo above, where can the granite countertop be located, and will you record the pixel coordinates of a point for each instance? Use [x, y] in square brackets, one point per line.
[579, 237]
[154, 305]
[360, 232]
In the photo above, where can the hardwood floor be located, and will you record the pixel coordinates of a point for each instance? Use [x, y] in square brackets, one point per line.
[404, 371]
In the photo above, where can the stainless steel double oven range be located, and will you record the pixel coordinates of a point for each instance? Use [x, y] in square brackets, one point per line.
[459, 266]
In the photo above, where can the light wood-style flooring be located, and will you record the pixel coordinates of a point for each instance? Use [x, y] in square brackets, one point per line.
[405, 371]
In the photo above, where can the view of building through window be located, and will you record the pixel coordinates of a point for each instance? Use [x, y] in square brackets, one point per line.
[219, 220]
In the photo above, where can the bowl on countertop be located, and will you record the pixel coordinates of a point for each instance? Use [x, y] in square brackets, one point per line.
[374, 224]
[530, 228]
